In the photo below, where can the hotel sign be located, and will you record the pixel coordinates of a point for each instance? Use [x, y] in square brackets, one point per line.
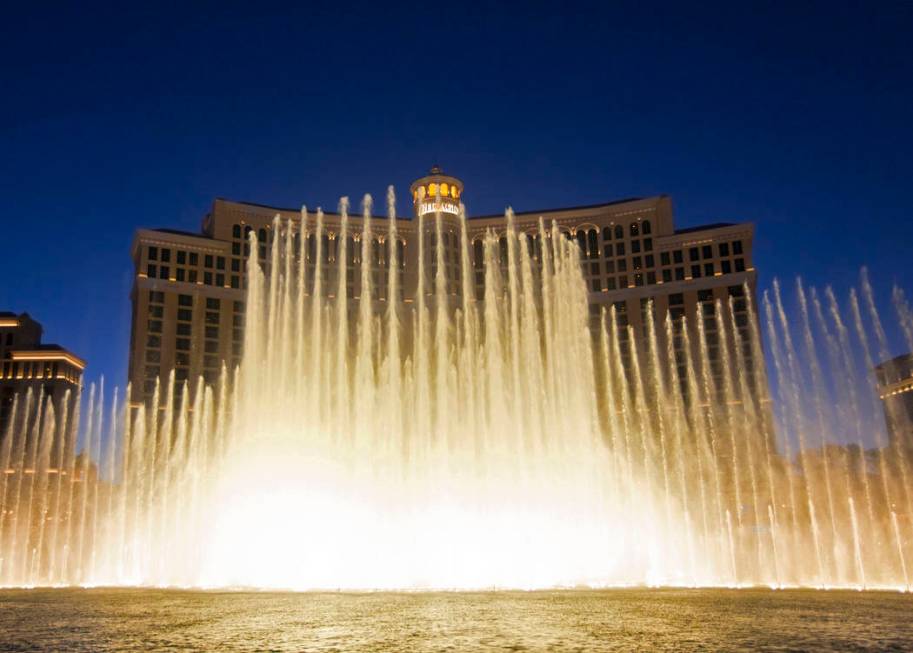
[434, 207]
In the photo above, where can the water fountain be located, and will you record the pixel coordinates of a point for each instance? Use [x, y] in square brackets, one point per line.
[516, 442]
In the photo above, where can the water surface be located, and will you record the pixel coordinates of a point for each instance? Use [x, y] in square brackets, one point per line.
[612, 620]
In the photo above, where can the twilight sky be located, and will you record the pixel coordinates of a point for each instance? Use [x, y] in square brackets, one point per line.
[797, 118]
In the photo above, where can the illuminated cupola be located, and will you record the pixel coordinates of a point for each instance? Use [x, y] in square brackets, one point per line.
[436, 192]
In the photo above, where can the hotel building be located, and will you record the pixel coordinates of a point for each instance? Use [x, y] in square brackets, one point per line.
[895, 387]
[188, 292]
[26, 363]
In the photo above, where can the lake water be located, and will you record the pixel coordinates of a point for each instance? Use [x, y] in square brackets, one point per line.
[611, 620]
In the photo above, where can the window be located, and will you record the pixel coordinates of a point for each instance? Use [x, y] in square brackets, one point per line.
[724, 249]
[649, 261]
[179, 274]
[182, 344]
[705, 295]
[153, 341]
[664, 258]
[192, 276]
[157, 311]
[607, 251]
[737, 247]
[708, 269]
[238, 307]
[638, 279]
[181, 358]
[619, 232]
[166, 255]
[236, 265]
[619, 249]
[185, 300]
[623, 281]
[182, 257]
[607, 233]
[194, 258]
[648, 244]
[236, 249]
[740, 265]
[157, 296]
[646, 227]
[637, 262]
[212, 346]
[220, 279]
[207, 278]
[676, 299]
[635, 246]
[622, 265]
[210, 361]
[610, 267]
[153, 253]
[651, 278]
[207, 261]
[635, 229]
[212, 318]
[183, 329]
[212, 332]
[236, 231]
[667, 275]
[736, 291]
[155, 326]
[725, 267]
[677, 257]
[150, 271]
[235, 281]
[596, 285]
[185, 314]
[695, 271]
[610, 283]
[164, 272]
[153, 356]
[679, 274]
[594, 268]
[220, 263]
[593, 243]
[261, 235]
[212, 303]
[693, 254]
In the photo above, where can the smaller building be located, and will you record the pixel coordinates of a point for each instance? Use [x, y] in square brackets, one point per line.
[895, 387]
[26, 363]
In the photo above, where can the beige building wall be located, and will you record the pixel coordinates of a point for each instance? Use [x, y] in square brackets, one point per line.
[188, 295]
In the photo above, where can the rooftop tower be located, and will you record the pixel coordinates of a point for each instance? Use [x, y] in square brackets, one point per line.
[436, 192]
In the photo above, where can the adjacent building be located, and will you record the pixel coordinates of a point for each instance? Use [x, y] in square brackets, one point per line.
[895, 387]
[188, 291]
[50, 371]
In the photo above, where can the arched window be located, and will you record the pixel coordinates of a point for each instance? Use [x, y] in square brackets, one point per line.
[607, 234]
[261, 235]
[635, 229]
[502, 242]
[478, 250]
[619, 232]
[646, 228]
[581, 242]
[593, 243]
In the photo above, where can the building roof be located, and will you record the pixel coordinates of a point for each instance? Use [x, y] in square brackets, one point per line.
[581, 207]
[704, 227]
[179, 232]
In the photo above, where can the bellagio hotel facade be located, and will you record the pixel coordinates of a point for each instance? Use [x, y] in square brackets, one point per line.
[188, 295]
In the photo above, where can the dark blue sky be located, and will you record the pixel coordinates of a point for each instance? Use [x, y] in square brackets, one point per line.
[794, 117]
